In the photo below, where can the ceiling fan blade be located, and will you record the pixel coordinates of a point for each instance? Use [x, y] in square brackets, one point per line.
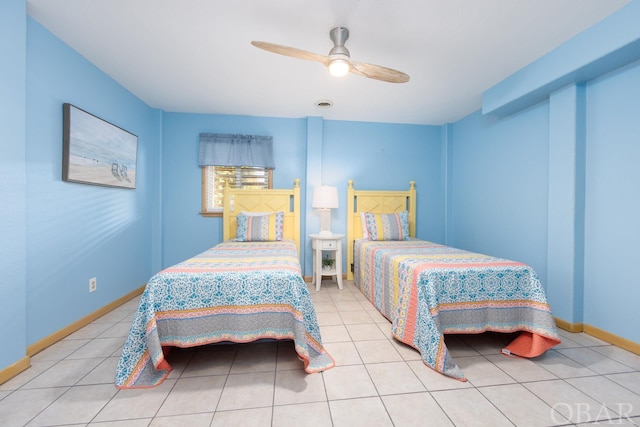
[291, 51]
[379, 72]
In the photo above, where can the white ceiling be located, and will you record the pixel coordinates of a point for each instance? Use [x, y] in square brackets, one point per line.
[196, 56]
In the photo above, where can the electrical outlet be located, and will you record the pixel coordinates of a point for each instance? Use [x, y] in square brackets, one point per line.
[93, 284]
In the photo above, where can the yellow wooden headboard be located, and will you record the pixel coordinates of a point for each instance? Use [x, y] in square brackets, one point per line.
[238, 200]
[375, 201]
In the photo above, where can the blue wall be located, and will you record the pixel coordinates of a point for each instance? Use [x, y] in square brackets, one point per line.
[580, 126]
[387, 157]
[185, 231]
[76, 231]
[612, 200]
[558, 188]
[498, 194]
[349, 150]
[13, 37]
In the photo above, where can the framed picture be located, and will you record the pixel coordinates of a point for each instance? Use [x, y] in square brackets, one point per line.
[97, 152]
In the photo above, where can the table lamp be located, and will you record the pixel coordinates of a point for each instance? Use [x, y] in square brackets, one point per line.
[325, 198]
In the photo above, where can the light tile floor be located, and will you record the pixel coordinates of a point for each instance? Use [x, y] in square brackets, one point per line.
[376, 382]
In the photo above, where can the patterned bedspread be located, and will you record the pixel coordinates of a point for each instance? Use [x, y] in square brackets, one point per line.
[236, 291]
[428, 290]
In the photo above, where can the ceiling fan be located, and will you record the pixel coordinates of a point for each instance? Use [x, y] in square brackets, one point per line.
[339, 60]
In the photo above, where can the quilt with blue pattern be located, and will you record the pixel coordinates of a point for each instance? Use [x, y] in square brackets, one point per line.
[233, 292]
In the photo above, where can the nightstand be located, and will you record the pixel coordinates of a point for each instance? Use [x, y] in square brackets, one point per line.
[330, 243]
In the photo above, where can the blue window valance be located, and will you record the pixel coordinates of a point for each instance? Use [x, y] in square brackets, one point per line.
[217, 149]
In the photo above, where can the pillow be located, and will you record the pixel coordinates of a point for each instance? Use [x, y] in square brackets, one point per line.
[363, 221]
[249, 213]
[391, 226]
[260, 228]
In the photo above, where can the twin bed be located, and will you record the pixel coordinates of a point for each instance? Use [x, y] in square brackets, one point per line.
[247, 288]
[250, 287]
[428, 290]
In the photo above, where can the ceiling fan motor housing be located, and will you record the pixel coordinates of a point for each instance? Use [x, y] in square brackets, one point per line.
[339, 36]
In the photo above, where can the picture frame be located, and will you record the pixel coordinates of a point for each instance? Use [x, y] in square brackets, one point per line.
[97, 152]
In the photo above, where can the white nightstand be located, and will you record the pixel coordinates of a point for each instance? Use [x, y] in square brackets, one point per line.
[332, 243]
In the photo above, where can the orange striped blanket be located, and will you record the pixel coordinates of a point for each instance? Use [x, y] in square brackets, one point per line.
[428, 290]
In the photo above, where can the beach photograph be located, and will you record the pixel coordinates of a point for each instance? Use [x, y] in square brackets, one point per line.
[96, 151]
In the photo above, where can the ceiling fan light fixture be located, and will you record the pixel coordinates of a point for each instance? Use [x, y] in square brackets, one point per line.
[339, 67]
[338, 62]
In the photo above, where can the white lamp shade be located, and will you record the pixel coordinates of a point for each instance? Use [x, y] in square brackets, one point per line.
[325, 197]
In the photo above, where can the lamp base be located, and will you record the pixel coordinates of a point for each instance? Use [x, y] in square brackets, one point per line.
[325, 222]
[325, 233]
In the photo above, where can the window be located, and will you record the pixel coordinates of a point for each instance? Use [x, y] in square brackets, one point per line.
[219, 156]
[214, 179]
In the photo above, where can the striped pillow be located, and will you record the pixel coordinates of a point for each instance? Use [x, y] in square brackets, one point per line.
[390, 226]
[260, 228]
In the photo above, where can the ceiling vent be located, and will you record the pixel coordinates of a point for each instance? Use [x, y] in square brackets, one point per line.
[324, 103]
